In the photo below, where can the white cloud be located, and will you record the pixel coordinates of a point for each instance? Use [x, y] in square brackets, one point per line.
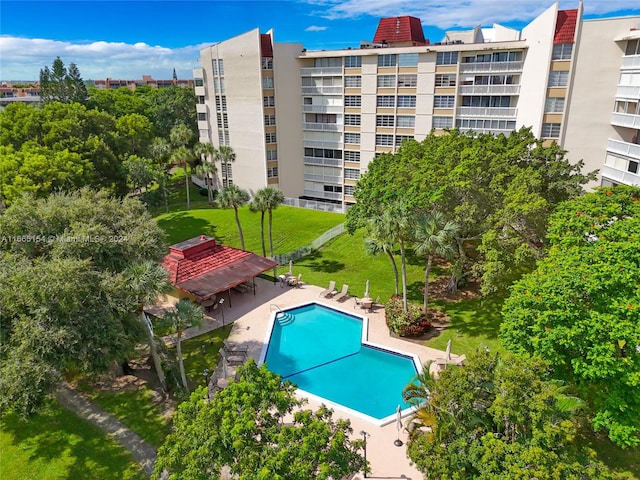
[22, 58]
[315, 28]
[468, 13]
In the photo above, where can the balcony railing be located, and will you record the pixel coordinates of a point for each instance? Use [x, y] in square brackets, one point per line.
[201, 108]
[314, 177]
[620, 176]
[322, 90]
[624, 148]
[487, 111]
[491, 67]
[628, 91]
[489, 89]
[626, 120]
[199, 91]
[492, 131]
[318, 71]
[317, 144]
[326, 162]
[319, 194]
[322, 127]
[322, 108]
[631, 61]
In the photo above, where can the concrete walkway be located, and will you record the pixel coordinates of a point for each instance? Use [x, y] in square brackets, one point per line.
[74, 401]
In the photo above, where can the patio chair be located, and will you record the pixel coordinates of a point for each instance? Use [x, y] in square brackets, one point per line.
[357, 302]
[231, 349]
[233, 358]
[295, 281]
[330, 291]
[344, 293]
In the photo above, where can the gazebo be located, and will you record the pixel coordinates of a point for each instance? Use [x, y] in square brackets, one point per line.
[200, 268]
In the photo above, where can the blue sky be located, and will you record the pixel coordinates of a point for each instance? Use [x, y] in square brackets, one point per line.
[126, 39]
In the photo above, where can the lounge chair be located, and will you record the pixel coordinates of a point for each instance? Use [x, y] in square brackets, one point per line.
[344, 293]
[233, 358]
[330, 291]
[295, 281]
[231, 349]
[357, 302]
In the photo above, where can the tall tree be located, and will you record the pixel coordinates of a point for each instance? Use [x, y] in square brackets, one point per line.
[207, 167]
[76, 88]
[180, 137]
[378, 241]
[185, 314]
[434, 235]
[257, 429]
[259, 204]
[225, 155]
[272, 198]
[234, 197]
[160, 151]
[57, 84]
[398, 221]
[579, 308]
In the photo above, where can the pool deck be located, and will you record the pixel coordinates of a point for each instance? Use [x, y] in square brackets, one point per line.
[250, 316]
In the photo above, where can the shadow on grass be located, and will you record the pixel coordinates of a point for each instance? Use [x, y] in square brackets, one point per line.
[181, 225]
[58, 444]
[316, 262]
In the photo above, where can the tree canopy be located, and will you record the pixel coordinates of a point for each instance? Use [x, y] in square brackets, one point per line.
[498, 418]
[243, 427]
[499, 190]
[59, 84]
[65, 295]
[579, 309]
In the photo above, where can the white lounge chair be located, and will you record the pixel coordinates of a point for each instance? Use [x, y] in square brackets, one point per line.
[295, 281]
[330, 291]
[344, 293]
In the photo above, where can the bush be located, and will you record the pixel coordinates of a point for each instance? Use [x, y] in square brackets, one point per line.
[405, 324]
[203, 192]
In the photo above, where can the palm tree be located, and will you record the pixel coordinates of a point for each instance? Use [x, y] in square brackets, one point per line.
[379, 241]
[186, 314]
[225, 155]
[234, 197]
[207, 168]
[418, 394]
[148, 280]
[258, 204]
[434, 236]
[160, 150]
[273, 198]
[180, 136]
[397, 220]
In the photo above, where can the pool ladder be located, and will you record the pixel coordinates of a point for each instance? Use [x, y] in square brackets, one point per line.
[283, 318]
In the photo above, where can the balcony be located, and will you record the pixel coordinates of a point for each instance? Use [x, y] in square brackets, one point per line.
[320, 194]
[620, 176]
[627, 149]
[322, 108]
[486, 112]
[325, 162]
[489, 90]
[631, 61]
[628, 91]
[317, 144]
[203, 125]
[200, 91]
[201, 108]
[491, 131]
[314, 177]
[322, 90]
[321, 71]
[626, 120]
[322, 127]
[491, 67]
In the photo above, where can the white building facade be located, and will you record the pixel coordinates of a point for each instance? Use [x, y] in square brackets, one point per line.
[309, 122]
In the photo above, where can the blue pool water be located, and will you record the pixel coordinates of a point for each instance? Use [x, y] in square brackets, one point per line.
[320, 350]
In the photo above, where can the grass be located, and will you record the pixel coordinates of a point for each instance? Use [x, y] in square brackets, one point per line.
[56, 444]
[202, 352]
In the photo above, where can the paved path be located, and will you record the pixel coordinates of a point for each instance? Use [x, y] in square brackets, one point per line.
[73, 400]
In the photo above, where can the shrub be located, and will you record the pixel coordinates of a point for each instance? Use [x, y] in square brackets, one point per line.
[405, 324]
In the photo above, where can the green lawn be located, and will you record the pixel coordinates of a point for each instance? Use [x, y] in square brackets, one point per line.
[56, 445]
[202, 352]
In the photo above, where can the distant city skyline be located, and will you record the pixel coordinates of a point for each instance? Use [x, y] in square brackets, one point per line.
[125, 39]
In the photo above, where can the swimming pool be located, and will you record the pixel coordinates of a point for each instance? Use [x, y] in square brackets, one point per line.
[324, 351]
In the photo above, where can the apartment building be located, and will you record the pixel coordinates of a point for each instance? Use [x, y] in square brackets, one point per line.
[309, 122]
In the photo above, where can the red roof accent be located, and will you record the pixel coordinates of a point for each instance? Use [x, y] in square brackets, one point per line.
[400, 29]
[266, 48]
[565, 26]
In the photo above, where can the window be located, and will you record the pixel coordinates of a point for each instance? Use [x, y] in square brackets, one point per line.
[221, 103]
[554, 105]
[558, 79]
[272, 155]
[386, 81]
[387, 60]
[486, 101]
[353, 120]
[221, 85]
[446, 58]
[272, 172]
[270, 137]
[405, 121]
[203, 135]
[225, 169]
[350, 156]
[199, 82]
[327, 62]
[201, 99]
[408, 59]
[562, 51]
[445, 80]
[220, 67]
[332, 188]
[400, 139]
[320, 118]
[407, 81]
[386, 101]
[322, 153]
[633, 47]
[352, 138]
[348, 190]
[443, 101]
[268, 101]
[550, 130]
[223, 120]
[352, 100]
[632, 167]
[485, 124]
[353, 61]
[384, 140]
[269, 119]
[267, 63]
[351, 174]
[353, 81]
[442, 122]
[267, 82]
[385, 120]
[202, 116]
[308, 101]
[406, 101]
